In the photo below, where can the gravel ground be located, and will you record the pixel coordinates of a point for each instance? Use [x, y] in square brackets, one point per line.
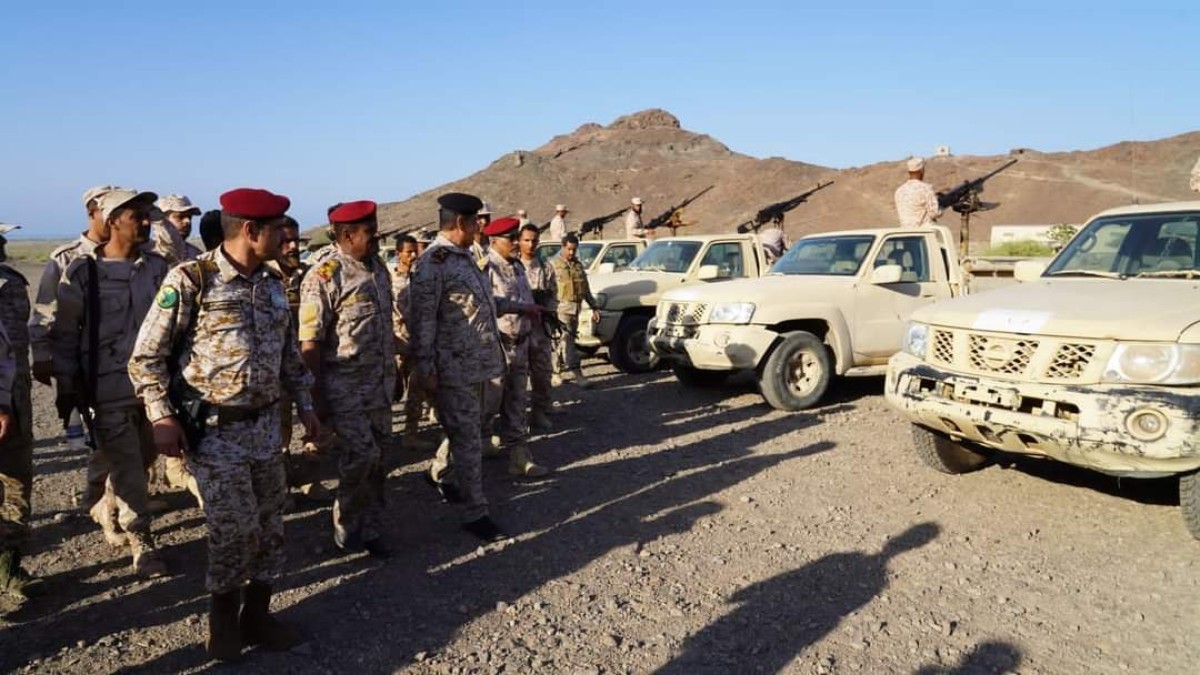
[684, 531]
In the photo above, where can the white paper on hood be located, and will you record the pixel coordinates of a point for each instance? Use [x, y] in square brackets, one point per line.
[1011, 321]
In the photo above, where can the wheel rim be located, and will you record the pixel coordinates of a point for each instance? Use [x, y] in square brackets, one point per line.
[638, 349]
[803, 373]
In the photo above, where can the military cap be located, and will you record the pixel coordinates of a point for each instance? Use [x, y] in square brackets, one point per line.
[97, 192]
[502, 227]
[177, 204]
[561, 207]
[916, 164]
[112, 200]
[352, 212]
[5, 228]
[636, 201]
[254, 204]
[462, 204]
[210, 229]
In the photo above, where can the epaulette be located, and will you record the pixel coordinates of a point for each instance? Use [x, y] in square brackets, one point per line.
[326, 269]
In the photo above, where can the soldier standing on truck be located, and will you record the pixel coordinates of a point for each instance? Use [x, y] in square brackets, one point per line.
[916, 200]
[634, 228]
[1194, 182]
[558, 224]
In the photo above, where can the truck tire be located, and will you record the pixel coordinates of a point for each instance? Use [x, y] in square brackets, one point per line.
[694, 377]
[797, 374]
[940, 452]
[630, 351]
[1189, 502]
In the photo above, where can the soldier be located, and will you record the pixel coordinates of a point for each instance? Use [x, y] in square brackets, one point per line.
[541, 346]
[406, 256]
[178, 212]
[347, 343]
[916, 201]
[634, 229]
[573, 291]
[221, 324]
[102, 300]
[1194, 181]
[522, 217]
[508, 394]
[16, 425]
[456, 348]
[479, 245]
[774, 240]
[210, 229]
[558, 224]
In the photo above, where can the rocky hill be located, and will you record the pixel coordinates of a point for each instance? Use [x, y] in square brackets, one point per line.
[597, 169]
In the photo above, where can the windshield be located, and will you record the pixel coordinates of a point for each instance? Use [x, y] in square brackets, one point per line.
[667, 256]
[545, 252]
[587, 252]
[1150, 245]
[837, 256]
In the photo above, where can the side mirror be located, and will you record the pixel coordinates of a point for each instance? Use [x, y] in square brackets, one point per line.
[886, 274]
[606, 268]
[708, 273]
[1028, 270]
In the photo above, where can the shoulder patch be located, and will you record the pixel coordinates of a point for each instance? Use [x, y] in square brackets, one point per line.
[326, 269]
[168, 297]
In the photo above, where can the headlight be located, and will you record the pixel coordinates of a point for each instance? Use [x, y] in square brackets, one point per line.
[1133, 363]
[731, 312]
[601, 300]
[916, 339]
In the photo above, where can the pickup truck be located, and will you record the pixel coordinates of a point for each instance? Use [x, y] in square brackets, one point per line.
[1094, 361]
[626, 300]
[607, 254]
[834, 305]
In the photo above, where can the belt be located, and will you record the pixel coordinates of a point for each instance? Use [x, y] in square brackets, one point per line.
[236, 414]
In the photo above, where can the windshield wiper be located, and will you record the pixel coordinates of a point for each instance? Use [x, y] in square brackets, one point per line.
[1184, 274]
[1084, 273]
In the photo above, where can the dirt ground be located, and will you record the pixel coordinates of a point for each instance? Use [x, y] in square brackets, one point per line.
[683, 531]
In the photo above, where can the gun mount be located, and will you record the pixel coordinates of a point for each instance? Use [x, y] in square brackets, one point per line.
[776, 212]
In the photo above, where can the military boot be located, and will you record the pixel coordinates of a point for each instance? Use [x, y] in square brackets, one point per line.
[491, 447]
[14, 581]
[257, 624]
[540, 421]
[102, 513]
[224, 637]
[146, 561]
[521, 464]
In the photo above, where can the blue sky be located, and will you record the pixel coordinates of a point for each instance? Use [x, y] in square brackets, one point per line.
[328, 101]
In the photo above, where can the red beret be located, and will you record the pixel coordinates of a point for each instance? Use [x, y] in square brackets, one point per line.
[352, 212]
[501, 227]
[254, 204]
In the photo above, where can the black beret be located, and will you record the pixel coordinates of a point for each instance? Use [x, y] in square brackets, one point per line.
[462, 204]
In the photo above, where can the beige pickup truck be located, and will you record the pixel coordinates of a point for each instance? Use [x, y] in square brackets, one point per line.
[597, 254]
[626, 299]
[834, 305]
[1095, 361]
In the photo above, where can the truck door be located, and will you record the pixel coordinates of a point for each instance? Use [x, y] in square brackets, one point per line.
[881, 310]
[728, 258]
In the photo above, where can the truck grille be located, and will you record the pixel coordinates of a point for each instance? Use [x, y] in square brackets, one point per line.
[684, 312]
[1032, 357]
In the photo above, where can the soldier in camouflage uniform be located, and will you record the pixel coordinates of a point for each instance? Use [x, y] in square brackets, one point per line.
[102, 300]
[573, 291]
[414, 401]
[220, 328]
[347, 342]
[508, 394]
[452, 319]
[171, 240]
[541, 346]
[16, 425]
[916, 200]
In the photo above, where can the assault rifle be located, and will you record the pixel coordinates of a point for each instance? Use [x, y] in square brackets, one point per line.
[965, 197]
[776, 211]
[596, 225]
[664, 219]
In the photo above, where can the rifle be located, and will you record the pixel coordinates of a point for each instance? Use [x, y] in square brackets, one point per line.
[597, 224]
[777, 210]
[965, 197]
[664, 217]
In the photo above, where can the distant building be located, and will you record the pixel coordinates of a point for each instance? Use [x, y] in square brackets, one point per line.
[942, 151]
[1003, 234]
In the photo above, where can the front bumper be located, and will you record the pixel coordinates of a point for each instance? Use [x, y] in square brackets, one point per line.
[597, 327]
[1088, 426]
[710, 346]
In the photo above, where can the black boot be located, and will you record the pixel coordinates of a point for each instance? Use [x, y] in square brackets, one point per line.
[224, 640]
[258, 626]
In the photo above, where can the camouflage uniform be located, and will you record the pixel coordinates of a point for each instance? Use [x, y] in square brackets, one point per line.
[238, 352]
[573, 291]
[346, 306]
[16, 451]
[558, 228]
[122, 435]
[508, 394]
[916, 204]
[166, 241]
[414, 396]
[634, 229]
[541, 348]
[452, 319]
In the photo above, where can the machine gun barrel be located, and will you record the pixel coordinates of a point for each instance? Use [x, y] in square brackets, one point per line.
[969, 187]
[597, 224]
[772, 211]
[662, 218]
